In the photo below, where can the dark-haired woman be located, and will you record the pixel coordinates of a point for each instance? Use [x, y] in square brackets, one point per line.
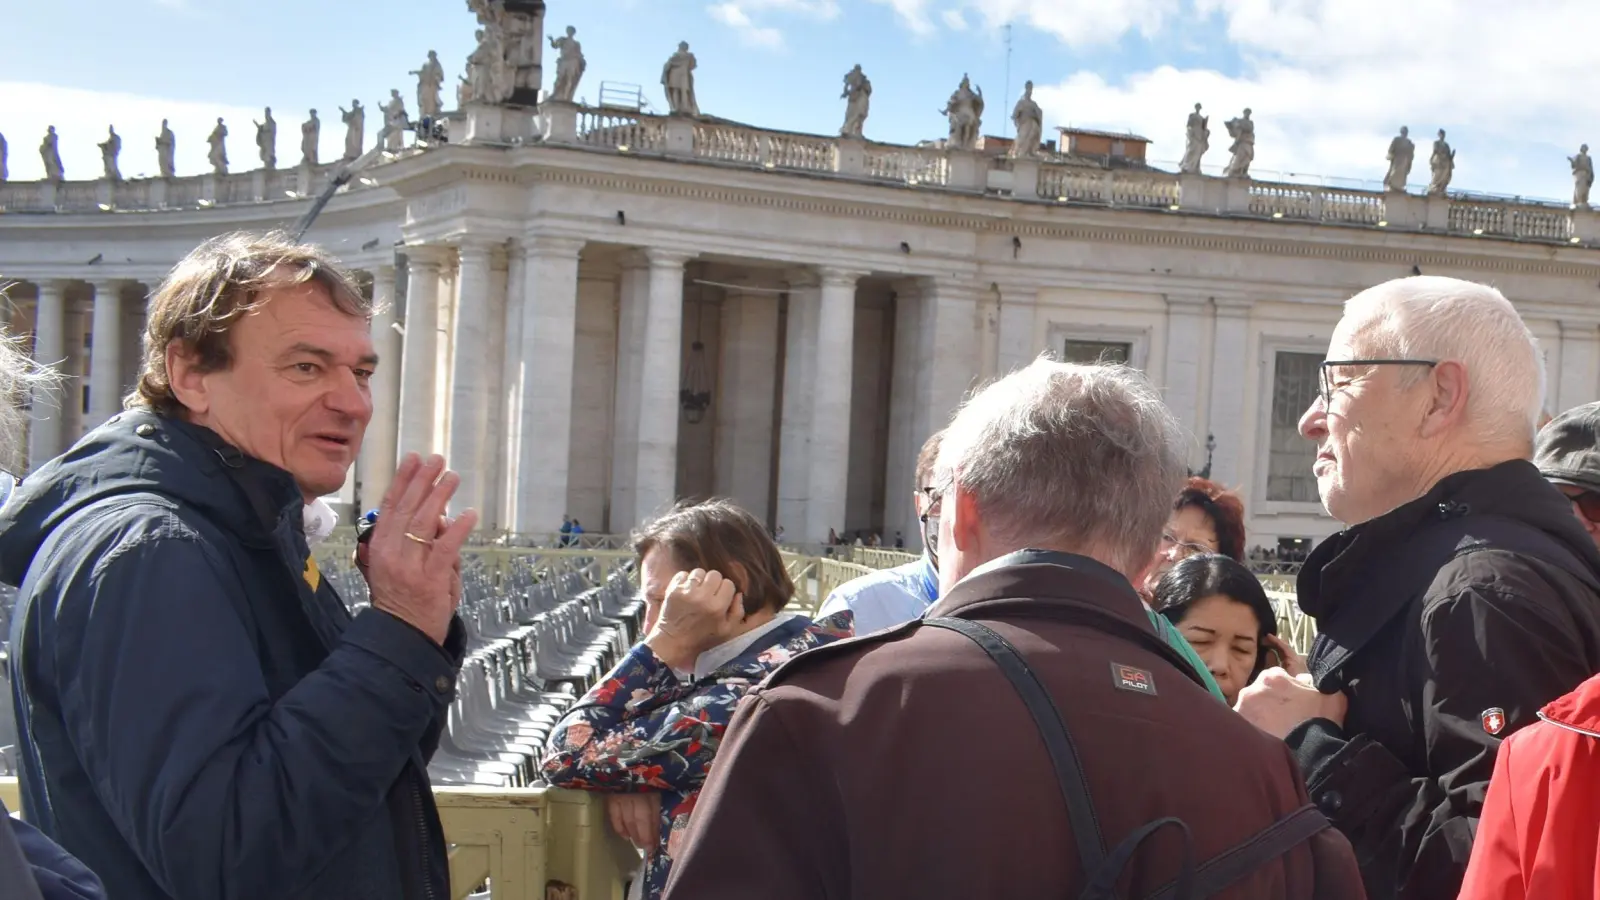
[1221, 609]
[715, 589]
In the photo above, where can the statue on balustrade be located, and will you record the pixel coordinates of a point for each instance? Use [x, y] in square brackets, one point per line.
[4, 151]
[1196, 141]
[310, 139]
[569, 66]
[677, 76]
[858, 93]
[219, 148]
[166, 151]
[523, 37]
[108, 154]
[1243, 132]
[1029, 119]
[1401, 153]
[50, 152]
[395, 120]
[487, 72]
[267, 141]
[430, 85]
[1443, 164]
[355, 134]
[965, 112]
[1582, 177]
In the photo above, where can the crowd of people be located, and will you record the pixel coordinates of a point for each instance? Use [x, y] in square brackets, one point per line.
[200, 716]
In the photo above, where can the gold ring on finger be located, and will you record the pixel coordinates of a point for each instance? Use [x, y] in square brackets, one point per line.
[421, 540]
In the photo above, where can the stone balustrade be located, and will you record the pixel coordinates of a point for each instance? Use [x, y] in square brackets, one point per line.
[1046, 179]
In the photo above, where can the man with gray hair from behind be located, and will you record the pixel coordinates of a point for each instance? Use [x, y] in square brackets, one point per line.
[918, 761]
[1462, 597]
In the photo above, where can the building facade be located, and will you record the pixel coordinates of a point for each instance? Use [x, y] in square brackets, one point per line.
[592, 312]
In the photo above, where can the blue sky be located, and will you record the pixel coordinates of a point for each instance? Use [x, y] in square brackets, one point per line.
[1330, 81]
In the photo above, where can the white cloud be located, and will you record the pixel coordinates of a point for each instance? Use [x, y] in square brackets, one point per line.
[819, 9]
[81, 117]
[912, 13]
[733, 15]
[1331, 82]
[954, 20]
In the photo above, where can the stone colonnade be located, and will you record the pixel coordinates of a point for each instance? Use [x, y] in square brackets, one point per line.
[484, 359]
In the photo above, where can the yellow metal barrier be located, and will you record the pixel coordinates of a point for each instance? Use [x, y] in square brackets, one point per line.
[879, 558]
[525, 843]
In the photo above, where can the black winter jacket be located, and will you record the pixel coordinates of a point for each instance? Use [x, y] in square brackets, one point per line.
[1449, 622]
[201, 718]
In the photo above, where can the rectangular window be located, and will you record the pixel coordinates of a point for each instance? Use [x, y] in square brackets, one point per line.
[1294, 388]
[1091, 352]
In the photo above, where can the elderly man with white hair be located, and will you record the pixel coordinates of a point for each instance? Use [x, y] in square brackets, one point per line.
[1462, 597]
[919, 761]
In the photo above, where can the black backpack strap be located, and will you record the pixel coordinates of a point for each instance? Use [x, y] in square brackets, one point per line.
[1227, 867]
[1103, 881]
[1052, 729]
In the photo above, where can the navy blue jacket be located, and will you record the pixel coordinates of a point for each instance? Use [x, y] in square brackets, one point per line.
[200, 716]
[53, 870]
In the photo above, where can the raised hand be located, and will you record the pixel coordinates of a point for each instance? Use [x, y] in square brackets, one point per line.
[414, 556]
[699, 611]
[637, 817]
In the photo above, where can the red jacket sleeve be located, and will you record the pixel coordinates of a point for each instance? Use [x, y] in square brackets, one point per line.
[1495, 872]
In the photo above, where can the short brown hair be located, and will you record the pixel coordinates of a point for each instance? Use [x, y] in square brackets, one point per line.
[927, 459]
[718, 536]
[216, 285]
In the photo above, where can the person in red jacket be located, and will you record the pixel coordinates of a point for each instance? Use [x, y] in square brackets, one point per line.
[1539, 835]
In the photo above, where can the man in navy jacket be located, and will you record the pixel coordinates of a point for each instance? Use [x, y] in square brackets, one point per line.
[200, 715]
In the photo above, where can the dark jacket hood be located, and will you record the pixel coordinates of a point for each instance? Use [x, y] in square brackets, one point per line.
[141, 452]
[1513, 490]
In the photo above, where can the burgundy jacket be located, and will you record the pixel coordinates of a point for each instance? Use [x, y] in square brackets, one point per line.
[903, 764]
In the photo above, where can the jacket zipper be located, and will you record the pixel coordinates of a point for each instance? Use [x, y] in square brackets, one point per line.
[1572, 728]
[423, 835]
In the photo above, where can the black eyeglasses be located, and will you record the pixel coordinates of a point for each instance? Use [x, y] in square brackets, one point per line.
[1325, 379]
[930, 524]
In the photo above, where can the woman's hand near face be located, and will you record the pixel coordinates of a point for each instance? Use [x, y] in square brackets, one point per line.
[699, 611]
[1289, 659]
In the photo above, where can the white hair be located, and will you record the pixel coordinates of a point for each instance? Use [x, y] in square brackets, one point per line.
[19, 376]
[1080, 457]
[1434, 318]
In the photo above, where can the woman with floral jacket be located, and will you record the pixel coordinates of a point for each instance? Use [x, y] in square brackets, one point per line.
[715, 589]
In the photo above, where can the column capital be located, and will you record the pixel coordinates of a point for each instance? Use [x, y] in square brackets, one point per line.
[552, 245]
[832, 277]
[1186, 303]
[1233, 307]
[474, 249]
[107, 285]
[663, 258]
[1577, 326]
[430, 256]
[55, 286]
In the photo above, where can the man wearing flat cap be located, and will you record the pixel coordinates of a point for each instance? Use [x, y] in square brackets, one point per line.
[1568, 456]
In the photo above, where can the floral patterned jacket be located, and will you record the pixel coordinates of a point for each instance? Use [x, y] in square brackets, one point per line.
[642, 730]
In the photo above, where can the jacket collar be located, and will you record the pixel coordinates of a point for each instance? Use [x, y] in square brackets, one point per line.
[1046, 576]
[1361, 563]
[788, 638]
[1578, 711]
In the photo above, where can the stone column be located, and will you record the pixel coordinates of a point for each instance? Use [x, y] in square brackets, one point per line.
[1230, 350]
[380, 448]
[904, 442]
[634, 297]
[660, 370]
[948, 357]
[744, 413]
[105, 353]
[549, 327]
[1580, 379]
[76, 369]
[830, 404]
[49, 349]
[1018, 306]
[794, 437]
[510, 409]
[420, 351]
[468, 447]
[1185, 333]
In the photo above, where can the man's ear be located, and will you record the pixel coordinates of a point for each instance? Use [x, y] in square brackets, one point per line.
[188, 383]
[965, 527]
[1448, 404]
